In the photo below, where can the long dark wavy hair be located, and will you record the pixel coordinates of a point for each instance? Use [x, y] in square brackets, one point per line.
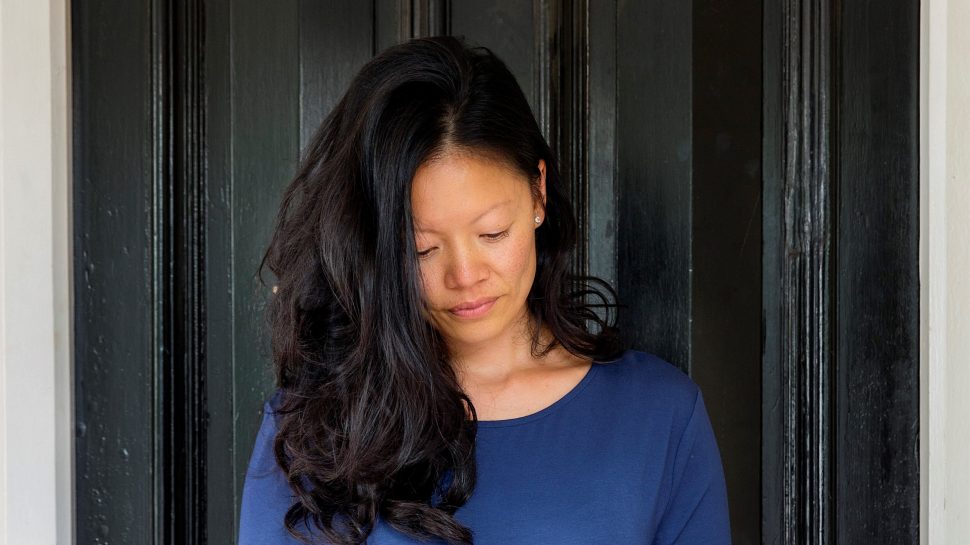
[372, 420]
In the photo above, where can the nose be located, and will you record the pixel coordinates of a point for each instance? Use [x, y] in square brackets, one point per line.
[465, 269]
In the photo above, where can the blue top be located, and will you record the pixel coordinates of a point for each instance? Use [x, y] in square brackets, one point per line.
[627, 456]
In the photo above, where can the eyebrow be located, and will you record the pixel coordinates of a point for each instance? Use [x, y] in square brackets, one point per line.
[480, 216]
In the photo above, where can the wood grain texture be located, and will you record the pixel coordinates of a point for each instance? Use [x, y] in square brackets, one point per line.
[221, 469]
[841, 229]
[799, 250]
[877, 275]
[654, 173]
[264, 95]
[115, 296]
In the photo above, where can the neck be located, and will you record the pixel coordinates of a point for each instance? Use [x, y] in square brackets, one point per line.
[498, 359]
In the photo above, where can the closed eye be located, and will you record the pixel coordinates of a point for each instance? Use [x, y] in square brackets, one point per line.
[496, 236]
[491, 237]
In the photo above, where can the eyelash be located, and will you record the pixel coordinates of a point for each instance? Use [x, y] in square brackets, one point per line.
[496, 236]
[492, 237]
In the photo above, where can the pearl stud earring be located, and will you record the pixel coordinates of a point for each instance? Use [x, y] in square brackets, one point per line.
[538, 220]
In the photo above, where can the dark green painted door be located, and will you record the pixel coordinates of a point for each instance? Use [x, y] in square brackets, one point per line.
[190, 117]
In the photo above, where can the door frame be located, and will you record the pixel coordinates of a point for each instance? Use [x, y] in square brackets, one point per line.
[822, 290]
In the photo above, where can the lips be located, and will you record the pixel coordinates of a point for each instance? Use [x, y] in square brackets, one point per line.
[473, 309]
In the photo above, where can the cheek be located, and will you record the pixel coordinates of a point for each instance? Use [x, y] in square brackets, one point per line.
[519, 262]
[427, 282]
[434, 293]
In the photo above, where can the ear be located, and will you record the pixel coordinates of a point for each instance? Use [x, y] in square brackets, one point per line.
[542, 182]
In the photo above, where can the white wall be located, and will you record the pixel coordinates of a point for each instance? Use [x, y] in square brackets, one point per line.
[35, 326]
[945, 273]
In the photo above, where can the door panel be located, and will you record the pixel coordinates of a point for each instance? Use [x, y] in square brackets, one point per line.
[726, 248]
[507, 27]
[252, 151]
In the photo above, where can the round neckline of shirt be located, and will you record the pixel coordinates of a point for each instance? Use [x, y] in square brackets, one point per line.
[549, 409]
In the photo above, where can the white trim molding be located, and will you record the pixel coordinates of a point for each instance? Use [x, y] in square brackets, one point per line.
[944, 272]
[36, 407]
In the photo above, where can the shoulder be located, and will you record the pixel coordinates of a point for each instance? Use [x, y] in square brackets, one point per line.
[263, 460]
[655, 399]
[646, 373]
[266, 493]
[645, 383]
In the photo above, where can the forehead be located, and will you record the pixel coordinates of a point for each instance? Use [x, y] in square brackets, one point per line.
[459, 189]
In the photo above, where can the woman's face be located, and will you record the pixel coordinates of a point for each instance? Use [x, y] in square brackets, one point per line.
[474, 222]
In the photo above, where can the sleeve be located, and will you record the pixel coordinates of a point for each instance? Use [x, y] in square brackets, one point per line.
[697, 511]
[266, 494]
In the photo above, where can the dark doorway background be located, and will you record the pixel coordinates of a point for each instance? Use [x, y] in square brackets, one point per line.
[722, 157]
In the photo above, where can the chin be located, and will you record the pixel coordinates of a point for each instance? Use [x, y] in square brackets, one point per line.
[472, 333]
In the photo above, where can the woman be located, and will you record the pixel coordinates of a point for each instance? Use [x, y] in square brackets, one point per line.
[441, 374]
